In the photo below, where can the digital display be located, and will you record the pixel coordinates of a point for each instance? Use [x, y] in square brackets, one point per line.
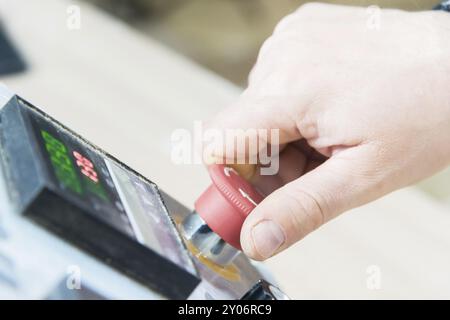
[61, 163]
[81, 173]
[107, 190]
[76, 190]
[65, 170]
[89, 175]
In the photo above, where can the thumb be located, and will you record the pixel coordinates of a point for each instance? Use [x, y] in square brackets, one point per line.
[301, 206]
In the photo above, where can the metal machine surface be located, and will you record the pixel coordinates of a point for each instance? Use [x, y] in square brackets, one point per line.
[76, 223]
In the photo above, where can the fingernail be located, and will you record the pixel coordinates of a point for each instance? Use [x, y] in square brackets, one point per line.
[267, 238]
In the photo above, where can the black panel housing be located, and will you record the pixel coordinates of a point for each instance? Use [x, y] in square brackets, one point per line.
[38, 197]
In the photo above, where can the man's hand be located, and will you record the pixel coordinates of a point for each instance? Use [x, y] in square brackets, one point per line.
[362, 110]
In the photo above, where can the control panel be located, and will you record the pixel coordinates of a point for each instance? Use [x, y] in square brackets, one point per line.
[65, 203]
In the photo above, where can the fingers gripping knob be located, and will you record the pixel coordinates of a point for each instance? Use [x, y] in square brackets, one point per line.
[215, 226]
[226, 203]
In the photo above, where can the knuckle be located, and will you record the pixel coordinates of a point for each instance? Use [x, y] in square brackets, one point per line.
[309, 7]
[368, 173]
[307, 210]
[252, 76]
[305, 10]
[265, 48]
[285, 23]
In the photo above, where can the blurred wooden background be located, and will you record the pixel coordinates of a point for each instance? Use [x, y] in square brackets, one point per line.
[222, 35]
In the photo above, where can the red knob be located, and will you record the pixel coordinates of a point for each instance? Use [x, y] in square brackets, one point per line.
[226, 203]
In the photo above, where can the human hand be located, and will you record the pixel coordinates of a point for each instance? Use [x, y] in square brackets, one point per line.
[361, 112]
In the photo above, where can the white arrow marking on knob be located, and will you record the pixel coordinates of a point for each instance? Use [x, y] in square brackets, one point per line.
[227, 170]
[245, 195]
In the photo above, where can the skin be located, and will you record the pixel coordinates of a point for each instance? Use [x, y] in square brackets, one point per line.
[362, 111]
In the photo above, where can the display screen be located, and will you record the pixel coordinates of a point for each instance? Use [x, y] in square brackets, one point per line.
[80, 173]
[107, 189]
[61, 162]
[67, 173]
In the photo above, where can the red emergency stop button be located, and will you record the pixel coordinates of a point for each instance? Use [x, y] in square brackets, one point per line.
[226, 203]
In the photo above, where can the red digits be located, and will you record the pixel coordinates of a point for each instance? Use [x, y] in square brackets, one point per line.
[86, 166]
